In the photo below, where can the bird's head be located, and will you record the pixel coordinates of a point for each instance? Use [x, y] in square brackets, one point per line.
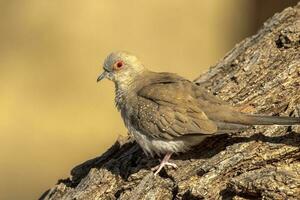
[121, 67]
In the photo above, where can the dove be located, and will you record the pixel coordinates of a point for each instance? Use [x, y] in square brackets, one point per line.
[169, 114]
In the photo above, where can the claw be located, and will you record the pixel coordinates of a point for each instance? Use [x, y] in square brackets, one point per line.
[164, 162]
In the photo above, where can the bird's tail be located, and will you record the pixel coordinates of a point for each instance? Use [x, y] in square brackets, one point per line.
[243, 121]
[269, 120]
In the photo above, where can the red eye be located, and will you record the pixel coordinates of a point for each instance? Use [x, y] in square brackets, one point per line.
[119, 64]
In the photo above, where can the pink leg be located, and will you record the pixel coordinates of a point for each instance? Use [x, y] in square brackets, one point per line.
[163, 163]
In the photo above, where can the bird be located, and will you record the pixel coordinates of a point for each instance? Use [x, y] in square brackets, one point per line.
[169, 114]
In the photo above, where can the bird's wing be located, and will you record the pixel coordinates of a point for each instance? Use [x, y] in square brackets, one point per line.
[168, 109]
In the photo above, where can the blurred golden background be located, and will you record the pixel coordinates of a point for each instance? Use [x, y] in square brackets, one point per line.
[53, 115]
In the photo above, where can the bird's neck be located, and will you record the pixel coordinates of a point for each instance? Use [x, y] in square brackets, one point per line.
[126, 89]
[121, 95]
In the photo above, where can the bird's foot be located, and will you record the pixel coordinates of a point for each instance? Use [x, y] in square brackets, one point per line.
[164, 162]
[161, 165]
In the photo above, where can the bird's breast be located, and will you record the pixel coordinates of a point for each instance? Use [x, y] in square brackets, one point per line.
[152, 146]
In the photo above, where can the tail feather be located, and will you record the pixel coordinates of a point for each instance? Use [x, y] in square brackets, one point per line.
[224, 127]
[244, 121]
[270, 120]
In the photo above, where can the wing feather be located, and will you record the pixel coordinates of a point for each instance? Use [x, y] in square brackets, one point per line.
[168, 110]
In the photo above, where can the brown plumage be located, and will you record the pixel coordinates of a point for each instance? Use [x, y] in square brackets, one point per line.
[169, 114]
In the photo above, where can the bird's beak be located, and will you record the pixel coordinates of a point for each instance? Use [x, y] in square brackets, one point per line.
[102, 76]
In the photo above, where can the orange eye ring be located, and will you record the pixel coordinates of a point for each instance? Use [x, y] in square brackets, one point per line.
[118, 65]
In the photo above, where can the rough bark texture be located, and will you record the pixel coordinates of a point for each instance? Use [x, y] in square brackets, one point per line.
[260, 75]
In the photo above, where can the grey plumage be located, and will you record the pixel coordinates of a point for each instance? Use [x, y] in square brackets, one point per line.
[169, 114]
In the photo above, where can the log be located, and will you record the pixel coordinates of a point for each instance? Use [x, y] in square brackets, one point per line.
[260, 75]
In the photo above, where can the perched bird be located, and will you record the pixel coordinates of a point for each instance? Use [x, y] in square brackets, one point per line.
[167, 113]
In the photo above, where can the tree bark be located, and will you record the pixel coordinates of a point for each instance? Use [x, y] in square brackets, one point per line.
[260, 75]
